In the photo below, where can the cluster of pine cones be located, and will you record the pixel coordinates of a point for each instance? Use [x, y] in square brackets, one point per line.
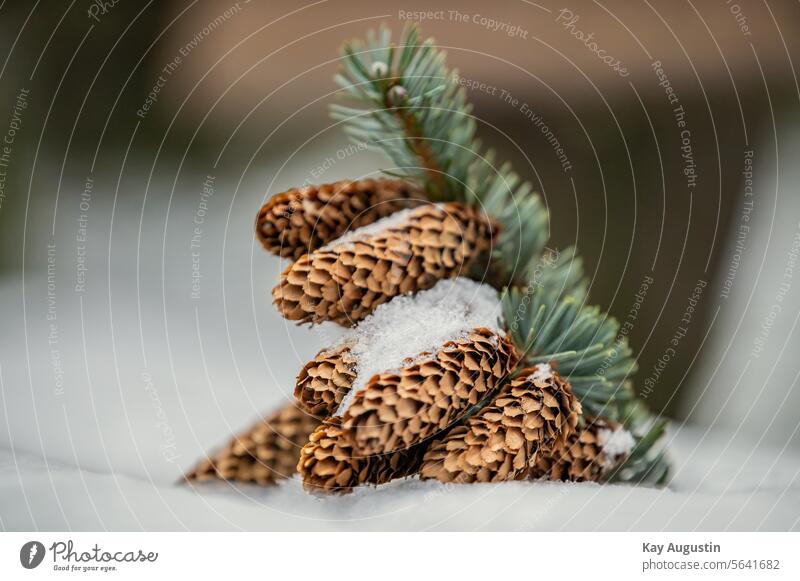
[462, 413]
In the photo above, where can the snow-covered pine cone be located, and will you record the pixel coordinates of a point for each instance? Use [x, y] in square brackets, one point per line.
[263, 454]
[401, 408]
[535, 411]
[329, 464]
[325, 380]
[588, 454]
[300, 220]
[407, 252]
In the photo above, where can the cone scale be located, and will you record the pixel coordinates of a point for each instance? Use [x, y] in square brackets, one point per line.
[263, 454]
[534, 412]
[345, 281]
[328, 463]
[580, 457]
[301, 220]
[325, 380]
[399, 409]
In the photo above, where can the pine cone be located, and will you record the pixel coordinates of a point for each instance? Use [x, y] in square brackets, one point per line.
[329, 464]
[302, 220]
[399, 409]
[324, 381]
[264, 454]
[345, 281]
[535, 411]
[585, 455]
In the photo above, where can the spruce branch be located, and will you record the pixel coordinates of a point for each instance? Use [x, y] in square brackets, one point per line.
[549, 322]
[405, 102]
[409, 105]
[522, 216]
[581, 340]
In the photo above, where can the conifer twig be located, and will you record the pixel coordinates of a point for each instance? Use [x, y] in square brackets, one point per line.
[409, 105]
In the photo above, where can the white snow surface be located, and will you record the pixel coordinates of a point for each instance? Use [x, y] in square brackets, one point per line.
[108, 452]
[721, 482]
[98, 438]
[408, 326]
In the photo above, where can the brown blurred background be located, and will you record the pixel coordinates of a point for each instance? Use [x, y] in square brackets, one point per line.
[255, 79]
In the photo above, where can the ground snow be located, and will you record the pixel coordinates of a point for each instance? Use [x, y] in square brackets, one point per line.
[721, 481]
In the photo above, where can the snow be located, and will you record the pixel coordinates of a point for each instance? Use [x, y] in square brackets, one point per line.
[615, 444]
[542, 371]
[94, 457]
[722, 482]
[401, 330]
[369, 230]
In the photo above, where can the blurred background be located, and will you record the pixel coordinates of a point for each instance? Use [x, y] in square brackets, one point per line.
[141, 139]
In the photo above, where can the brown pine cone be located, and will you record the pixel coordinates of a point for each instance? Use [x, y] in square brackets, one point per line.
[588, 454]
[345, 281]
[399, 409]
[263, 454]
[302, 220]
[329, 464]
[535, 411]
[324, 381]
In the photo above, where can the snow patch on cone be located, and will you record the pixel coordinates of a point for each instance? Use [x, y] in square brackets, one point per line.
[411, 328]
[370, 229]
[542, 372]
[615, 444]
